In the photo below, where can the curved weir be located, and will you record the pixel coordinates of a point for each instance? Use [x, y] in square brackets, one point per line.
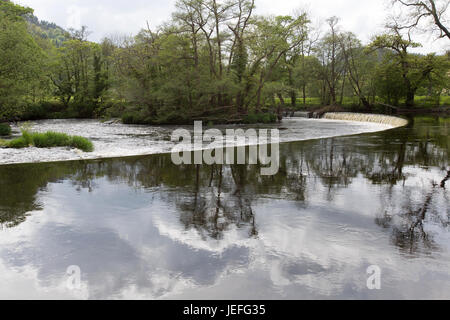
[115, 140]
[374, 118]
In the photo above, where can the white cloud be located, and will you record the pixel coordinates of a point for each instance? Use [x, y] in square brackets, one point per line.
[74, 17]
[103, 17]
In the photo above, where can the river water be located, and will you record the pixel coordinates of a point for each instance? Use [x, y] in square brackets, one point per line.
[143, 228]
[118, 140]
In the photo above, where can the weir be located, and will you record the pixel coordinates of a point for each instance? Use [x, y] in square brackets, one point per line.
[362, 117]
[119, 140]
[301, 115]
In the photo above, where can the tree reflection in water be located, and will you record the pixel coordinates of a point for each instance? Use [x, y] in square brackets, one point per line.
[223, 202]
[410, 234]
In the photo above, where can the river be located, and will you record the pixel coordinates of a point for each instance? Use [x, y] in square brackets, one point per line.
[143, 228]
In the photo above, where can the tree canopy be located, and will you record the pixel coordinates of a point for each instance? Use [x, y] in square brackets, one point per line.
[215, 61]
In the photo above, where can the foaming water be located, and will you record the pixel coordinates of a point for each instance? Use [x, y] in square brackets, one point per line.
[375, 118]
[118, 140]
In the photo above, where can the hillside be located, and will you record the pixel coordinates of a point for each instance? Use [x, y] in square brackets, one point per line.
[47, 30]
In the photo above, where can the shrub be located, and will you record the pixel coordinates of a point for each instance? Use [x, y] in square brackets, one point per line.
[44, 110]
[18, 143]
[266, 118]
[136, 117]
[111, 109]
[84, 110]
[50, 139]
[128, 118]
[252, 118]
[82, 144]
[28, 137]
[34, 112]
[171, 117]
[57, 110]
[5, 129]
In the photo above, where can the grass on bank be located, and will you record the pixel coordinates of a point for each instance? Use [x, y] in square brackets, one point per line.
[48, 140]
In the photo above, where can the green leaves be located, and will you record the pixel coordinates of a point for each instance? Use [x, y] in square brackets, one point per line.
[20, 60]
[13, 12]
[393, 42]
[5, 129]
[215, 58]
[401, 67]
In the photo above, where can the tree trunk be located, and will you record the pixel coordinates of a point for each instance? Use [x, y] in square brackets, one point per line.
[292, 91]
[333, 101]
[304, 94]
[293, 99]
[280, 96]
[410, 97]
[342, 91]
[365, 103]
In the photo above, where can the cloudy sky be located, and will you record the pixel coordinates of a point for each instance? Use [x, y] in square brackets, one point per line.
[106, 17]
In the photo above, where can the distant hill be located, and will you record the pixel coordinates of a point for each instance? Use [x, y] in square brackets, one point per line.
[47, 30]
[44, 32]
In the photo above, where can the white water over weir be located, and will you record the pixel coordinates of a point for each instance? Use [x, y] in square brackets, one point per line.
[362, 117]
[114, 139]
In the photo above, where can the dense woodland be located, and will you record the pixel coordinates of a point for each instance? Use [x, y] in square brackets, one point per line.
[218, 62]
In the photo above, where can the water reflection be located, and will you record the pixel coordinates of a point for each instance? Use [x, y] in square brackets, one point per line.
[142, 227]
[211, 209]
[409, 225]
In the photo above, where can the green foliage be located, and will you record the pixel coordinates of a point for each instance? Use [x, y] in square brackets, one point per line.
[136, 117]
[240, 61]
[5, 129]
[84, 110]
[169, 117]
[389, 82]
[57, 110]
[46, 110]
[21, 60]
[212, 61]
[432, 102]
[173, 117]
[27, 137]
[412, 69]
[47, 31]
[254, 118]
[129, 118]
[48, 140]
[18, 143]
[81, 143]
[393, 41]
